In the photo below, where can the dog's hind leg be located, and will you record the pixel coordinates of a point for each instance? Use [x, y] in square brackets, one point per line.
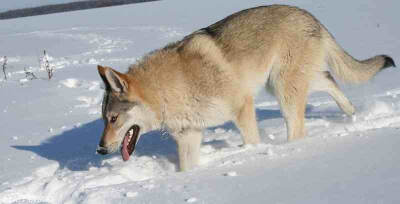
[338, 96]
[325, 82]
[247, 123]
[291, 89]
[188, 142]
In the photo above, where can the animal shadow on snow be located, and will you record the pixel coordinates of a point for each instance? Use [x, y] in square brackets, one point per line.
[75, 149]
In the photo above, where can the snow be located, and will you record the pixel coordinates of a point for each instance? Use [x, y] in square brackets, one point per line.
[50, 128]
[231, 173]
[191, 200]
[131, 194]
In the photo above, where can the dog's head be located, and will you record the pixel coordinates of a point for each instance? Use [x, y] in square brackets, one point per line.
[124, 113]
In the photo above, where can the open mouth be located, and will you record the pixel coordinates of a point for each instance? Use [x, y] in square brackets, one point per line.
[130, 140]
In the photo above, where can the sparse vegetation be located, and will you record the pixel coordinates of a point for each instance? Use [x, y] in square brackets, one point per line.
[45, 64]
[5, 67]
[29, 74]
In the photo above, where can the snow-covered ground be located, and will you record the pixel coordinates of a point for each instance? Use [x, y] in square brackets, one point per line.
[50, 128]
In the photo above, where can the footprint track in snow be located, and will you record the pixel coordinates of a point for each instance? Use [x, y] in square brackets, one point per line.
[90, 102]
[94, 45]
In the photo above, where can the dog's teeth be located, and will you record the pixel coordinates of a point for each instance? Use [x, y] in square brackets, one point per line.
[130, 135]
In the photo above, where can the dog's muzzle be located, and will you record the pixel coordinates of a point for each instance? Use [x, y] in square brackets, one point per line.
[101, 150]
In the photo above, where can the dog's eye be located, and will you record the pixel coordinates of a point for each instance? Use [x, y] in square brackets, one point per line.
[113, 119]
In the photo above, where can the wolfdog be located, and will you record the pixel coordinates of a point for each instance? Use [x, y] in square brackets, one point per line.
[212, 75]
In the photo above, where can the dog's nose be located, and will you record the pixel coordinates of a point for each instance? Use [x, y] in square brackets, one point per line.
[102, 144]
[102, 150]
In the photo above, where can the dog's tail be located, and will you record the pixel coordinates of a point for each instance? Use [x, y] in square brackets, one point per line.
[349, 69]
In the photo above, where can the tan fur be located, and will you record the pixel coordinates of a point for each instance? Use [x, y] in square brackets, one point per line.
[211, 76]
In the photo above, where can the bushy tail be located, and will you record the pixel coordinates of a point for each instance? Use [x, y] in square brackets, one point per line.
[352, 70]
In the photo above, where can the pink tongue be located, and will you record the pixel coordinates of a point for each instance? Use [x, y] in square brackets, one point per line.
[124, 150]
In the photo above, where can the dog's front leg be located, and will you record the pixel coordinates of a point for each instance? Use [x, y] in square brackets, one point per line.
[188, 141]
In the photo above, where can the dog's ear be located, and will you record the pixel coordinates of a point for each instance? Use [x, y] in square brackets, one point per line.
[102, 72]
[113, 80]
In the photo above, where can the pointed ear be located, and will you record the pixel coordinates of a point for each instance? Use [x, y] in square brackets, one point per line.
[102, 72]
[113, 80]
